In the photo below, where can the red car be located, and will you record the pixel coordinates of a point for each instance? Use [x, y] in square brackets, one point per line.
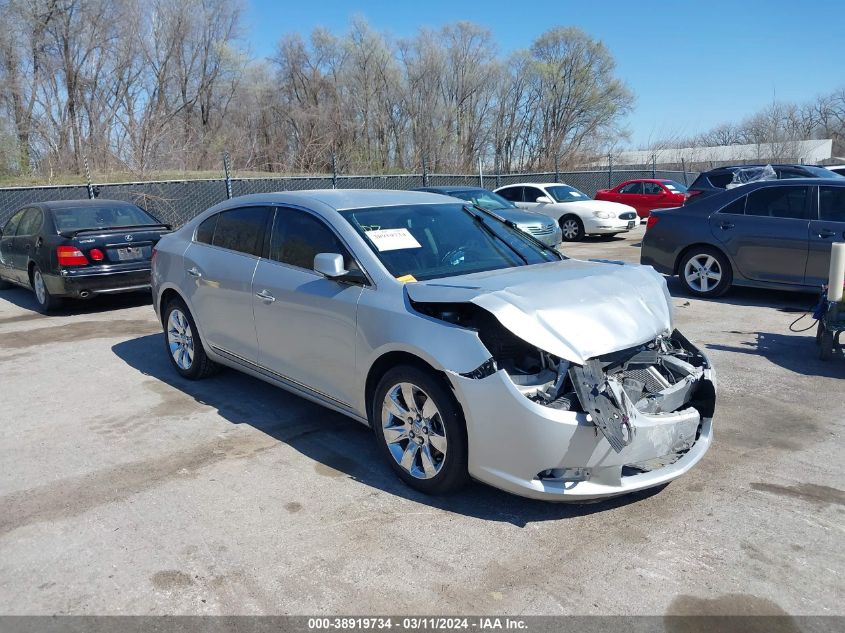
[646, 194]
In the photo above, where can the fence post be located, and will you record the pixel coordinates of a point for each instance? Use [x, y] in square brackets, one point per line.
[334, 171]
[425, 171]
[227, 176]
[557, 168]
[480, 173]
[684, 168]
[498, 167]
[88, 178]
[653, 165]
[610, 171]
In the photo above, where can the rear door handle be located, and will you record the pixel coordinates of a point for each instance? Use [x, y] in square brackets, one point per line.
[266, 296]
[726, 225]
[825, 233]
[193, 272]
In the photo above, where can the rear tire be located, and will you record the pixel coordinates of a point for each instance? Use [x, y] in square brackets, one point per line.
[46, 302]
[183, 344]
[571, 228]
[424, 441]
[705, 272]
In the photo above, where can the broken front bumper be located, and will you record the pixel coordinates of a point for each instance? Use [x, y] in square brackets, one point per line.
[533, 450]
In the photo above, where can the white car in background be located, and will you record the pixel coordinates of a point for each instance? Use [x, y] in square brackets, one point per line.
[577, 214]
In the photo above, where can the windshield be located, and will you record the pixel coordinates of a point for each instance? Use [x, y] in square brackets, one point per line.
[84, 218]
[673, 186]
[483, 198]
[565, 193]
[441, 240]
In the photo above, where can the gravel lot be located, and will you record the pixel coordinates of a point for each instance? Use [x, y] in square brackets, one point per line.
[127, 490]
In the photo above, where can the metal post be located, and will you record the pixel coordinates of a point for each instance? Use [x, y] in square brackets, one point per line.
[610, 171]
[557, 168]
[88, 178]
[227, 175]
[498, 171]
[480, 173]
[334, 171]
[653, 165]
[425, 172]
[684, 167]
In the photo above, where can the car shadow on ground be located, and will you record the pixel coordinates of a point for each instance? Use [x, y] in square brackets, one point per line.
[756, 297]
[25, 299]
[338, 445]
[795, 352]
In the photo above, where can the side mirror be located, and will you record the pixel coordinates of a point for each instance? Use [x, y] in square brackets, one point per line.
[544, 200]
[329, 265]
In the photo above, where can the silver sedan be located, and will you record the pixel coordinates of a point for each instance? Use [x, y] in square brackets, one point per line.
[472, 349]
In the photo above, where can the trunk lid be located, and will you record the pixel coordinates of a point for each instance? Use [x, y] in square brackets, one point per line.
[120, 245]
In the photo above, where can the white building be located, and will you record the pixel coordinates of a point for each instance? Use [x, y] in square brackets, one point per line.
[809, 152]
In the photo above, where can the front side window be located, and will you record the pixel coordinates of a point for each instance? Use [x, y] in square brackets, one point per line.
[632, 187]
[242, 230]
[565, 193]
[530, 194]
[832, 204]
[778, 202]
[442, 240]
[298, 236]
[514, 194]
[12, 225]
[102, 217]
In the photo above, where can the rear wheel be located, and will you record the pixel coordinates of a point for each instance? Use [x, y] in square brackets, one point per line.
[184, 347]
[46, 302]
[705, 272]
[420, 430]
[571, 228]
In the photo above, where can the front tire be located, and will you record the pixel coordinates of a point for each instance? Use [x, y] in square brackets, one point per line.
[420, 430]
[184, 347]
[705, 272]
[46, 302]
[571, 228]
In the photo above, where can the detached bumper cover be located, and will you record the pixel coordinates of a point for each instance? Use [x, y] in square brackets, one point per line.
[513, 440]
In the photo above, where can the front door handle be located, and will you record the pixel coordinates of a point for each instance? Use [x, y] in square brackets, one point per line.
[193, 272]
[266, 296]
[825, 233]
[726, 225]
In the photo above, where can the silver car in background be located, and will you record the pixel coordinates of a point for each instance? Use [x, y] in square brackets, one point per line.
[470, 348]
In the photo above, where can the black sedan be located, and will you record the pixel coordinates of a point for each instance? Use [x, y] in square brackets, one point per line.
[772, 234]
[78, 249]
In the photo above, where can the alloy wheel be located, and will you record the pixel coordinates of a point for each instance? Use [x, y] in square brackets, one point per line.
[180, 339]
[414, 430]
[703, 273]
[569, 228]
[40, 289]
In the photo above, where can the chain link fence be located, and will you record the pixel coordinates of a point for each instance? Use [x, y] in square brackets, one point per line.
[177, 201]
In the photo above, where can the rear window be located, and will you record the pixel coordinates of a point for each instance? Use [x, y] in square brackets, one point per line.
[242, 230]
[721, 180]
[778, 202]
[99, 217]
[674, 187]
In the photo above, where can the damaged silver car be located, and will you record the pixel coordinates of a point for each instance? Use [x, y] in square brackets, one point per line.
[471, 349]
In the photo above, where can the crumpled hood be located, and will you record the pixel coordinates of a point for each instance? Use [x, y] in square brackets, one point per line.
[573, 309]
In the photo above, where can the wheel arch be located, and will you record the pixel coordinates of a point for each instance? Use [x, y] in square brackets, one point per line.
[167, 295]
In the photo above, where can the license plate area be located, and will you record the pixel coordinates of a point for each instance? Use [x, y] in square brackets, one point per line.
[632, 224]
[129, 253]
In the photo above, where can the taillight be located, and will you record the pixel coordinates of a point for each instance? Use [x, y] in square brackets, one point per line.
[70, 256]
[652, 220]
[96, 254]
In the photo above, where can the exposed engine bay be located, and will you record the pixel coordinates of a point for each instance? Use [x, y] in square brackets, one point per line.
[659, 377]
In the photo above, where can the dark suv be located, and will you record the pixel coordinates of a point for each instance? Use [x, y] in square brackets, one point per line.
[717, 180]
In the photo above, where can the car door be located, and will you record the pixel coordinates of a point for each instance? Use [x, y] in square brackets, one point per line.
[653, 197]
[631, 194]
[219, 266]
[7, 247]
[766, 233]
[27, 242]
[826, 227]
[306, 323]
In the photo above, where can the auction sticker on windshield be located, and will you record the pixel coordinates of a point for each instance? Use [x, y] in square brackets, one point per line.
[392, 239]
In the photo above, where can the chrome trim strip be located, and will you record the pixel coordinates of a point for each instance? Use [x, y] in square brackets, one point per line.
[276, 376]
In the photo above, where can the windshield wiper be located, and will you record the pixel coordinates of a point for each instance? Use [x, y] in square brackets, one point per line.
[489, 231]
[514, 225]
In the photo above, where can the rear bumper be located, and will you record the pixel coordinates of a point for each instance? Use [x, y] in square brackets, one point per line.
[104, 280]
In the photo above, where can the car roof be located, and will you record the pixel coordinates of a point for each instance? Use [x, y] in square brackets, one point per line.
[343, 199]
[535, 184]
[443, 189]
[79, 204]
[732, 168]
